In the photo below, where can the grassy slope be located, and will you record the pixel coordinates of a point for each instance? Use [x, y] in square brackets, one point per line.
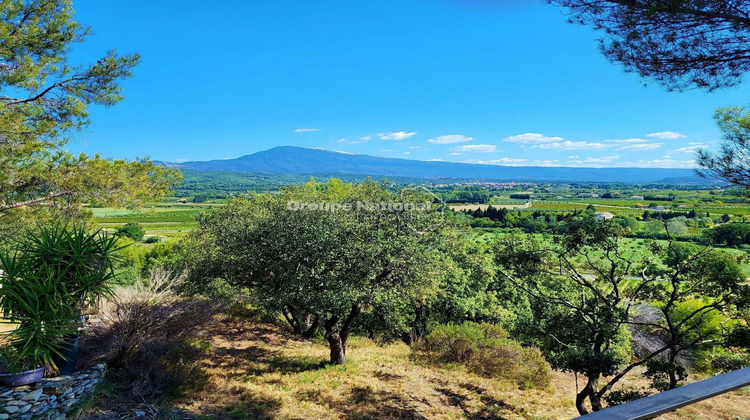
[260, 371]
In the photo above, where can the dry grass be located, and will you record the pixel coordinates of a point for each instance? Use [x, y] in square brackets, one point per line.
[257, 371]
[261, 372]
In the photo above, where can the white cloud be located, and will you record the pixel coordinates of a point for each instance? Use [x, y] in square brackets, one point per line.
[593, 161]
[180, 160]
[365, 138]
[506, 161]
[659, 163]
[398, 135]
[666, 135]
[407, 153]
[688, 149]
[415, 147]
[639, 147]
[334, 151]
[455, 154]
[501, 161]
[306, 130]
[532, 138]
[450, 139]
[572, 145]
[476, 148]
[573, 157]
[342, 140]
[434, 160]
[628, 141]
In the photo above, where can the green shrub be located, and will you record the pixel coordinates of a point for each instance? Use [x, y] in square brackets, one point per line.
[727, 362]
[486, 350]
[133, 231]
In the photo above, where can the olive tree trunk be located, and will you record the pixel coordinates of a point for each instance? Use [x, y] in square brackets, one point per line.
[337, 334]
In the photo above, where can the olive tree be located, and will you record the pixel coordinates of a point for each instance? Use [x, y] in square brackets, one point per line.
[329, 250]
[467, 290]
[589, 296]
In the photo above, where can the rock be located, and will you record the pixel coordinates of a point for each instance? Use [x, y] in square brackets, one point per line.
[51, 398]
[33, 395]
[57, 386]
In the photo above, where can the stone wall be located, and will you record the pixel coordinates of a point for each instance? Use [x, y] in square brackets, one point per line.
[50, 398]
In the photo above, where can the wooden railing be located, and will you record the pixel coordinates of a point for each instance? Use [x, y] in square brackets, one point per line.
[654, 405]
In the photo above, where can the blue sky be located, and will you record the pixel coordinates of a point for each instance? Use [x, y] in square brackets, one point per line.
[500, 82]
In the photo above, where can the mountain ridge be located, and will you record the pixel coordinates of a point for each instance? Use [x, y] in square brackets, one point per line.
[302, 161]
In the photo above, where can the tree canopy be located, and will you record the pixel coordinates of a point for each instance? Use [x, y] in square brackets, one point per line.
[330, 251]
[589, 298]
[680, 44]
[44, 102]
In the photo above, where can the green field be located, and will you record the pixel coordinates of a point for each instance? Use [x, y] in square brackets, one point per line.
[165, 220]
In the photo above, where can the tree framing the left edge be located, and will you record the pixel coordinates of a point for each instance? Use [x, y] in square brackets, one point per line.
[44, 100]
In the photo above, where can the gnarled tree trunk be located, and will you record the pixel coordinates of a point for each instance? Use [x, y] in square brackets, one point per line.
[338, 333]
[292, 319]
[589, 392]
[314, 325]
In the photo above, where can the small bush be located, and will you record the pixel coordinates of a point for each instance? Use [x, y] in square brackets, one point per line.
[150, 337]
[486, 350]
[133, 231]
[727, 362]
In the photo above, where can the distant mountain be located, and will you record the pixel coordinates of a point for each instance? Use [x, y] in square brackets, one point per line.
[301, 161]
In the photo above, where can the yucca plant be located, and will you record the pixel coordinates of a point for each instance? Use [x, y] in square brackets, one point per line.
[82, 261]
[28, 301]
[45, 286]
